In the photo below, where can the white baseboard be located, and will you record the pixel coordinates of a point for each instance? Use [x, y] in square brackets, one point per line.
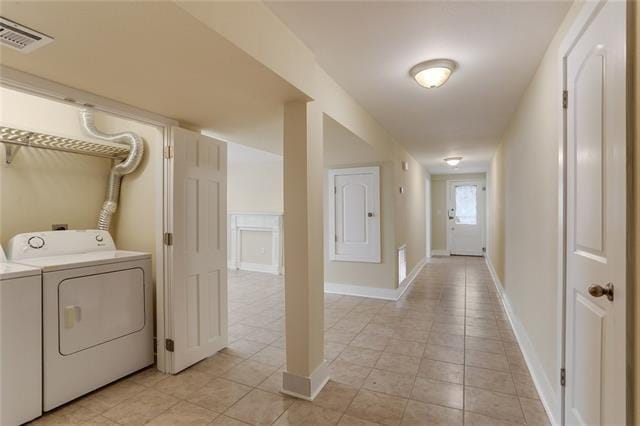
[440, 253]
[375, 292]
[255, 267]
[550, 399]
[306, 388]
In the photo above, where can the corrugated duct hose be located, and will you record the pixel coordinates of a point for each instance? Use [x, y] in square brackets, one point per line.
[128, 165]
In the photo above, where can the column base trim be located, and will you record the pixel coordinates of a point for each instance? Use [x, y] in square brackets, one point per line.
[306, 388]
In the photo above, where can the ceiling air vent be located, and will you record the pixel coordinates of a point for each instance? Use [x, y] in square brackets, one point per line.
[21, 38]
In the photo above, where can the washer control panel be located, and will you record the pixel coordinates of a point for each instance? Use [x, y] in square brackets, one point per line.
[58, 243]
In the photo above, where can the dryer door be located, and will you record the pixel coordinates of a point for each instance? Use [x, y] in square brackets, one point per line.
[94, 309]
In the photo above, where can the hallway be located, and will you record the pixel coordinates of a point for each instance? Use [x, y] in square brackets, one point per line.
[443, 354]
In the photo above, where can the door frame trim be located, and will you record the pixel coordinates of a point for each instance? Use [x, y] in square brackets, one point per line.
[48, 89]
[583, 19]
[482, 211]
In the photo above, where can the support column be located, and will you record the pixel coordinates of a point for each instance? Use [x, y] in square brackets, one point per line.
[306, 371]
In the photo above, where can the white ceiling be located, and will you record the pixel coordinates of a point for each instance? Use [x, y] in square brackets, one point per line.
[369, 47]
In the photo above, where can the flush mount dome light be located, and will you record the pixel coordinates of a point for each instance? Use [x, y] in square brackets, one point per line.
[433, 73]
[453, 161]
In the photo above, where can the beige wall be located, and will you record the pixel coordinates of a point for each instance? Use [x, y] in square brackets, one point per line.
[524, 180]
[439, 206]
[255, 187]
[496, 206]
[634, 46]
[42, 187]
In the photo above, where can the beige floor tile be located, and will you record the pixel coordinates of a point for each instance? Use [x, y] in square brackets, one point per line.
[444, 353]
[475, 419]
[70, 414]
[218, 395]
[270, 355]
[390, 383]
[441, 371]
[442, 339]
[250, 373]
[148, 377]
[348, 373]
[439, 393]
[259, 408]
[370, 341]
[243, 348]
[303, 413]
[486, 360]
[347, 420]
[397, 363]
[141, 408]
[183, 384]
[492, 404]
[419, 413]
[98, 420]
[360, 356]
[534, 412]
[227, 421]
[377, 407]
[405, 347]
[497, 381]
[524, 386]
[217, 364]
[335, 396]
[273, 383]
[110, 396]
[484, 345]
[184, 413]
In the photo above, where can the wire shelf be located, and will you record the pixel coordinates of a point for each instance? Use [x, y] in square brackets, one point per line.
[19, 138]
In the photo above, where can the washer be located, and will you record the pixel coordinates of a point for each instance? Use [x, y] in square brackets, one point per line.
[20, 343]
[96, 309]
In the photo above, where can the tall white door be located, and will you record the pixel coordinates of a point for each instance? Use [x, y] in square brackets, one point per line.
[198, 273]
[596, 217]
[355, 214]
[465, 208]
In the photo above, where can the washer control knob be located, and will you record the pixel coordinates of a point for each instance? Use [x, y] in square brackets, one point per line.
[36, 242]
[99, 238]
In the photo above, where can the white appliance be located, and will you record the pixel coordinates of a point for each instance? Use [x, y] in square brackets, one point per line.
[96, 305]
[20, 343]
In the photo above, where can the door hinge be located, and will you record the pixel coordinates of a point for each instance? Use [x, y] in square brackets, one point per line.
[169, 345]
[336, 238]
[168, 151]
[563, 377]
[335, 189]
[565, 99]
[168, 238]
[484, 249]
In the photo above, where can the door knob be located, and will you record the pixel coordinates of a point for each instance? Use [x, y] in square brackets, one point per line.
[370, 214]
[596, 290]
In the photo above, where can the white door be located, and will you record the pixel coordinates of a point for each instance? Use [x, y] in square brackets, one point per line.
[465, 209]
[198, 273]
[596, 215]
[354, 219]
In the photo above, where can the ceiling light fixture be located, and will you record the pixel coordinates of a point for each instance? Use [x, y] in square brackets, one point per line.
[433, 73]
[453, 161]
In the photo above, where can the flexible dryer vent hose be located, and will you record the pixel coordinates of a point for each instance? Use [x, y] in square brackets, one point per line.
[128, 165]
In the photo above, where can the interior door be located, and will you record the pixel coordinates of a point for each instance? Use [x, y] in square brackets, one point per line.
[465, 208]
[198, 283]
[596, 222]
[355, 214]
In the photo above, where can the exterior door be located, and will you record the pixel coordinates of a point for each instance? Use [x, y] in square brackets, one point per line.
[355, 214]
[465, 208]
[198, 273]
[596, 221]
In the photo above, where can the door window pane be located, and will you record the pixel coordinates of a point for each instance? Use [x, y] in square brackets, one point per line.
[466, 205]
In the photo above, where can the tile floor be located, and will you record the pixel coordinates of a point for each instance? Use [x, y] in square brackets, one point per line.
[443, 354]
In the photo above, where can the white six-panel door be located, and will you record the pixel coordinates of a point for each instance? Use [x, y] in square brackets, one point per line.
[354, 214]
[596, 222]
[198, 284]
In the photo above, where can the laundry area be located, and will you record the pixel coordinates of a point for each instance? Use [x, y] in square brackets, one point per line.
[78, 231]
